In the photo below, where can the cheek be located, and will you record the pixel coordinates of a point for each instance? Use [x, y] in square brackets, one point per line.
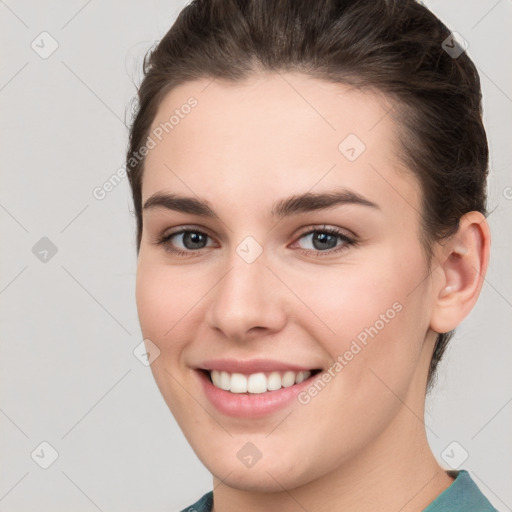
[151, 297]
[166, 316]
[163, 300]
[371, 317]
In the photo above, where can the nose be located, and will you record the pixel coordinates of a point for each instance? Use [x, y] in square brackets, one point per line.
[248, 301]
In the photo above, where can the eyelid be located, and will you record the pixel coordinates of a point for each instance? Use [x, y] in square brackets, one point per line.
[329, 228]
[184, 228]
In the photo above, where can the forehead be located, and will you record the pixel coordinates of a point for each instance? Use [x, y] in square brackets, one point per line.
[274, 133]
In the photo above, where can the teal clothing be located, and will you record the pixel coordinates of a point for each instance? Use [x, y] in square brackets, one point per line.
[203, 505]
[463, 495]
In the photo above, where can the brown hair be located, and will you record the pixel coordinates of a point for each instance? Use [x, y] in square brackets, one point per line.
[391, 46]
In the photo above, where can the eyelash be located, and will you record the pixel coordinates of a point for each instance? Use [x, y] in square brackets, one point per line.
[347, 242]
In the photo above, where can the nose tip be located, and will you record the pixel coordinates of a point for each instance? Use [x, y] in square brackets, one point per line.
[245, 302]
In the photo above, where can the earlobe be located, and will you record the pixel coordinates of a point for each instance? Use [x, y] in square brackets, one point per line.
[463, 264]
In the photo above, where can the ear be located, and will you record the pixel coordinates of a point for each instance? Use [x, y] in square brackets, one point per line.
[463, 262]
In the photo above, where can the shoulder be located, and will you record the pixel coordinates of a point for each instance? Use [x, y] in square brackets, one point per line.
[203, 505]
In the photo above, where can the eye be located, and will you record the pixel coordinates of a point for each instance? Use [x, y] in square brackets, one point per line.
[324, 241]
[191, 241]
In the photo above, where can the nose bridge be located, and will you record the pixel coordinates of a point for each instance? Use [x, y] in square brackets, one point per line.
[243, 298]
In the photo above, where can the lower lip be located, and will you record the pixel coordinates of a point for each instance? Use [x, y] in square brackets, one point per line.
[251, 405]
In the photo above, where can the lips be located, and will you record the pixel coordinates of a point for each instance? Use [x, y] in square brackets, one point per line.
[253, 387]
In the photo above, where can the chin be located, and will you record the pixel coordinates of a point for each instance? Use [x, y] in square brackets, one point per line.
[268, 475]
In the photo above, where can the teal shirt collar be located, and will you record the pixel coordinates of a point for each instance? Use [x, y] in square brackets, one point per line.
[463, 495]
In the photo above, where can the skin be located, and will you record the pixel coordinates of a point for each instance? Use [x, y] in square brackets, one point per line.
[360, 444]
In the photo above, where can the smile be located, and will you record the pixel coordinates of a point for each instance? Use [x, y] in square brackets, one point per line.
[253, 388]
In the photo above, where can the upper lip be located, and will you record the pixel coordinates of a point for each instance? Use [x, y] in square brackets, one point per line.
[251, 366]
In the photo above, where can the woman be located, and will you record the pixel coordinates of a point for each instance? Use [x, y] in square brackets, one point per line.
[309, 187]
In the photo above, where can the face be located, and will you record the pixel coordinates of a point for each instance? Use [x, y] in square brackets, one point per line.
[313, 311]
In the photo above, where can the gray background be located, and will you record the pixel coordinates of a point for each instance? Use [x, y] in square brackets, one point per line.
[69, 323]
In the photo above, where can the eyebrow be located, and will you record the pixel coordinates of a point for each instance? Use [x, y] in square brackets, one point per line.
[300, 203]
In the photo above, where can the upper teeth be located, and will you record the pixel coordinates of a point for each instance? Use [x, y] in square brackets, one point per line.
[256, 382]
